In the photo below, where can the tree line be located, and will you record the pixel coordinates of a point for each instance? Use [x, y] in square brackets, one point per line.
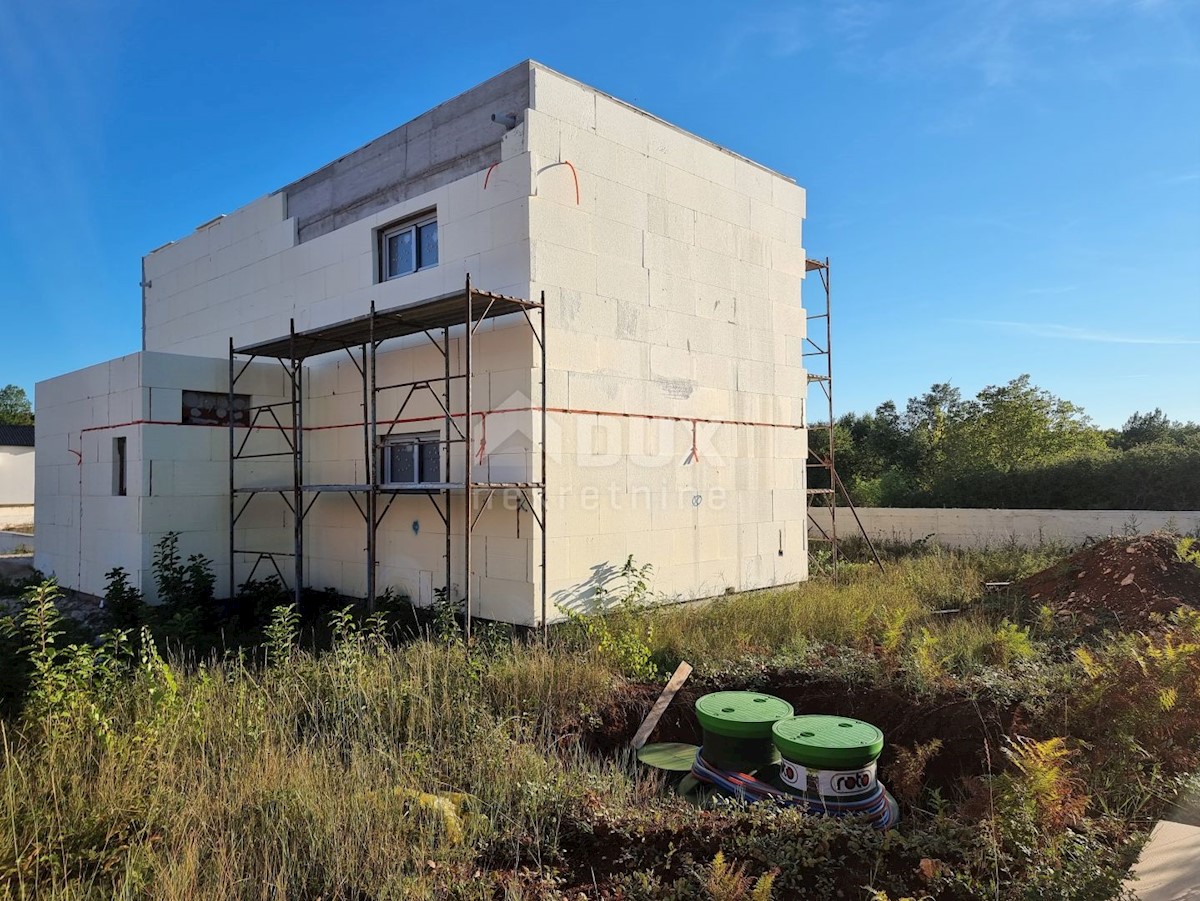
[15, 408]
[1013, 446]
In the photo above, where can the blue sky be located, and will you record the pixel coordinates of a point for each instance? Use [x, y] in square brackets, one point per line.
[1003, 187]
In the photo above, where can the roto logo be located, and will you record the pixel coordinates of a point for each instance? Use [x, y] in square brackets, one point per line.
[788, 772]
[851, 783]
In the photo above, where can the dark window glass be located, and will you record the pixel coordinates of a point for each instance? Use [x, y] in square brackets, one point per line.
[415, 459]
[120, 468]
[402, 466]
[400, 253]
[431, 461]
[428, 237]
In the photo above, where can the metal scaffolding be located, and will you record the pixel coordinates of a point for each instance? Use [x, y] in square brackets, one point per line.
[821, 373]
[433, 318]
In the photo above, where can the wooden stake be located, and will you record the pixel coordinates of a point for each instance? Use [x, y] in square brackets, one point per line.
[660, 706]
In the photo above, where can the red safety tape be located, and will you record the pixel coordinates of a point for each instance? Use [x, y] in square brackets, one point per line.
[569, 411]
[483, 414]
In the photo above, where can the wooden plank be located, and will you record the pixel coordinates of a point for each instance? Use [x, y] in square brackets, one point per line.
[660, 706]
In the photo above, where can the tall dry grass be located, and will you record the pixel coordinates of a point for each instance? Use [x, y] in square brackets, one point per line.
[372, 771]
[862, 610]
[367, 772]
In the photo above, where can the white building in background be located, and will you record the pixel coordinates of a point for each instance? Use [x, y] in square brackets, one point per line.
[671, 270]
[16, 475]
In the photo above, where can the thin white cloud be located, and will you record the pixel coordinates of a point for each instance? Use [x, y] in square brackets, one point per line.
[1076, 333]
[1004, 43]
[777, 31]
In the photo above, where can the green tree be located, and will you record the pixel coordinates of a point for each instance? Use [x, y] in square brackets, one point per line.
[1150, 428]
[1015, 445]
[876, 456]
[15, 408]
[1016, 425]
[929, 420]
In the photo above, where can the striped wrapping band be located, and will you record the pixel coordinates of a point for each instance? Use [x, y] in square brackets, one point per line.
[876, 805]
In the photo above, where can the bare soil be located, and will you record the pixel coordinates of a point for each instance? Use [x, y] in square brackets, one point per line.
[1119, 582]
[970, 730]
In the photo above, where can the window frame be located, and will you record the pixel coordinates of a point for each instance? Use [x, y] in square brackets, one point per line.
[413, 224]
[208, 413]
[416, 440]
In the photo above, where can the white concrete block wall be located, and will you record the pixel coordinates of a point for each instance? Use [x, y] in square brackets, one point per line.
[967, 528]
[16, 477]
[177, 476]
[674, 288]
[246, 276]
[411, 538]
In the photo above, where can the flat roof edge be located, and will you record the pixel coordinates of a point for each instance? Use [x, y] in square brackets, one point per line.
[649, 115]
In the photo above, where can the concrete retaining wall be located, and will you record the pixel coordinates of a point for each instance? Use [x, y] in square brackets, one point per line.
[16, 476]
[16, 514]
[11, 541]
[980, 528]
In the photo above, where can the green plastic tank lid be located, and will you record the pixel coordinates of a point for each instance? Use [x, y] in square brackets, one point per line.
[827, 742]
[672, 756]
[741, 714]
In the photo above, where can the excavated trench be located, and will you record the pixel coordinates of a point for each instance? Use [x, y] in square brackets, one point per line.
[969, 730]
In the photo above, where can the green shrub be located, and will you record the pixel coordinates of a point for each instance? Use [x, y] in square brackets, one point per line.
[185, 593]
[1187, 550]
[122, 602]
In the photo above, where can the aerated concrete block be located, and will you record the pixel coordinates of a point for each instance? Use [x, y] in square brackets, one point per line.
[671, 220]
[715, 235]
[787, 257]
[672, 363]
[666, 256]
[564, 267]
[565, 226]
[790, 197]
[623, 124]
[672, 147]
[621, 203]
[672, 292]
[626, 281]
[509, 223]
[507, 601]
[562, 99]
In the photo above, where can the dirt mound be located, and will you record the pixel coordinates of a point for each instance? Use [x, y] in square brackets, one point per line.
[1119, 580]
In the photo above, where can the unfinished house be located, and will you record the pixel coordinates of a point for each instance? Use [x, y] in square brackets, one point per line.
[495, 352]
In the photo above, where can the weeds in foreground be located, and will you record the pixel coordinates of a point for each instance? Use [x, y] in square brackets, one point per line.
[622, 631]
[726, 882]
[368, 769]
[441, 770]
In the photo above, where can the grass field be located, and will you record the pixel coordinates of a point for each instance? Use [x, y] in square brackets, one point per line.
[1029, 760]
